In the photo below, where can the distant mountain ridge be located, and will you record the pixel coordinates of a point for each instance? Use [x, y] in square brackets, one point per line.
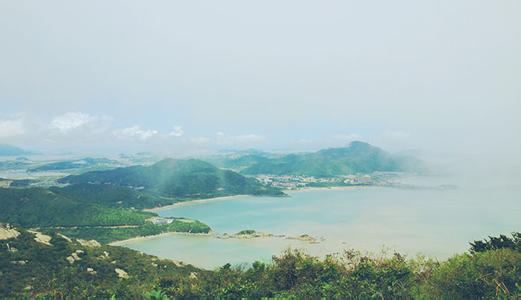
[87, 162]
[177, 178]
[359, 157]
[8, 150]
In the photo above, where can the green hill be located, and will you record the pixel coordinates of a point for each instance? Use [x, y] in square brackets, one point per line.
[182, 179]
[67, 211]
[38, 207]
[240, 162]
[359, 157]
[111, 195]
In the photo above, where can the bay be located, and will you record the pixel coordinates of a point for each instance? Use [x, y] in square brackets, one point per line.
[428, 221]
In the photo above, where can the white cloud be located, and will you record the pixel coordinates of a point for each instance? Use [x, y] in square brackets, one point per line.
[135, 133]
[177, 132]
[11, 128]
[79, 122]
[70, 121]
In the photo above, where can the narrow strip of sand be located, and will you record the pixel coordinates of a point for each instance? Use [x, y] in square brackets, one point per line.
[224, 198]
[195, 202]
[330, 188]
[149, 237]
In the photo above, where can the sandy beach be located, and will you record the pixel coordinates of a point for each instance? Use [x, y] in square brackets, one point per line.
[150, 237]
[193, 202]
[332, 188]
[225, 198]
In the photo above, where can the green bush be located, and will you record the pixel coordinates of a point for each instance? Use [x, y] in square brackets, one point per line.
[488, 274]
[483, 275]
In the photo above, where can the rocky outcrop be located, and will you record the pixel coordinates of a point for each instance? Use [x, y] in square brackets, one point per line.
[89, 243]
[75, 256]
[304, 238]
[7, 232]
[41, 238]
[121, 273]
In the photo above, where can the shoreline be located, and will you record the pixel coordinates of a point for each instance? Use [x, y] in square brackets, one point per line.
[149, 237]
[216, 199]
[225, 198]
[194, 202]
[330, 188]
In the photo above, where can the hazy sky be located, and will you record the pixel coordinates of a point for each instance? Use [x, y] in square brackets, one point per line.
[181, 76]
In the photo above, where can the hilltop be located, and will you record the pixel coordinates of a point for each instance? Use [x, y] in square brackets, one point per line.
[183, 179]
[359, 157]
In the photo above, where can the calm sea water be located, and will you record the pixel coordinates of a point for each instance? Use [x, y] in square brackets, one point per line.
[436, 223]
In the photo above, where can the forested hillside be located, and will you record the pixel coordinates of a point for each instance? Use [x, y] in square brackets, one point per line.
[359, 157]
[39, 207]
[177, 178]
[84, 217]
[64, 268]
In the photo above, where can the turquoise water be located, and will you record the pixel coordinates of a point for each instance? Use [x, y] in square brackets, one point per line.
[436, 223]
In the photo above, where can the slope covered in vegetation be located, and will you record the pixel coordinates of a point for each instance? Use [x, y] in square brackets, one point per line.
[83, 217]
[39, 207]
[67, 269]
[359, 157]
[183, 179]
[111, 195]
[108, 235]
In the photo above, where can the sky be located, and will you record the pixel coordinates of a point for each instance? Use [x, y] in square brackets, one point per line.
[436, 78]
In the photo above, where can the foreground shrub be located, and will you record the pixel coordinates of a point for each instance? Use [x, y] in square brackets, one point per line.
[483, 275]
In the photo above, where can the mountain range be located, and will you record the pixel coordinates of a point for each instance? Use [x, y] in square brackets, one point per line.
[8, 150]
[359, 157]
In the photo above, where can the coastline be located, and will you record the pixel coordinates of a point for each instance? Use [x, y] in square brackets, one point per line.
[193, 202]
[330, 188]
[224, 198]
[149, 237]
[208, 200]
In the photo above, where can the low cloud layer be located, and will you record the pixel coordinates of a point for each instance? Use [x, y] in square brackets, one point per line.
[85, 132]
[135, 132]
[11, 128]
[70, 121]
